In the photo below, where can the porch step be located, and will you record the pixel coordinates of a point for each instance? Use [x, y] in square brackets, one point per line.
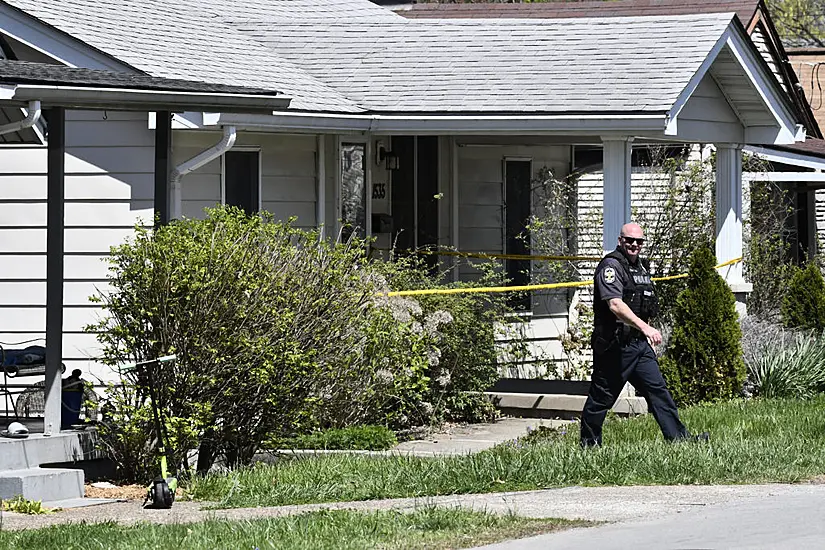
[37, 449]
[543, 405]
[43, 484]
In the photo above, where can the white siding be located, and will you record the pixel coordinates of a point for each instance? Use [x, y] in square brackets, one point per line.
[481, 188]
[108, 189]
[819, 201]
[288, 172]
[481, 229]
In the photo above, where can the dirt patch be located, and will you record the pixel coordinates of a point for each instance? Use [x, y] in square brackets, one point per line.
[129, 492]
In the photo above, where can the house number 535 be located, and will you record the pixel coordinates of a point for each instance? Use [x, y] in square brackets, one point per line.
[379, 190]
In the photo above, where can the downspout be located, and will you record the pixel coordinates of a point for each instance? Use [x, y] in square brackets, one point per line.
[28, 122]
[196, 162]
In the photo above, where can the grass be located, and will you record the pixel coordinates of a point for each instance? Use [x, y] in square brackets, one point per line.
[755, 441]
[427, 527]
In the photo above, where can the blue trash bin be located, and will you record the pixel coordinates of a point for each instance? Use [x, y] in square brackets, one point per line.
[71, 404]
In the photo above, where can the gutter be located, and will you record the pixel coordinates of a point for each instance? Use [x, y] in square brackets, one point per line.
[123, 99]
[30, 120]
[601, 124]
[226, 143]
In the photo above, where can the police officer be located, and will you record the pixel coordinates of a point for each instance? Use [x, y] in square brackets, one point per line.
[624, 301]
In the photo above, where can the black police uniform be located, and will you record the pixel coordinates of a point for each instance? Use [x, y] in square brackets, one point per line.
[621, 353]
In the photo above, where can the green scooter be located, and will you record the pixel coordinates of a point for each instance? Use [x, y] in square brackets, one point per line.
[161, 492]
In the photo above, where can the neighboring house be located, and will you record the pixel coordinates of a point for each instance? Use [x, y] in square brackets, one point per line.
[386, 114]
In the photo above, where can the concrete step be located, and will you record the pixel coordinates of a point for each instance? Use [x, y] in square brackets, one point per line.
[38, 449]
[44, 484]
[542, 405]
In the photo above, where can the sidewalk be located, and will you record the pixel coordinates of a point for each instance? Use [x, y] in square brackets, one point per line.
[627, 505]
[610, 504]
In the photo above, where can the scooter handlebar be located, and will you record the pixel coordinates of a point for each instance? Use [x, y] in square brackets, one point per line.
[164, 359]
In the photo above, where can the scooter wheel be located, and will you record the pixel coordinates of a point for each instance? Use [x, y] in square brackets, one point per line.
[159, 495]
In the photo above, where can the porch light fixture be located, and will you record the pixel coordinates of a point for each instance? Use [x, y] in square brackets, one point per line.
[389, 158]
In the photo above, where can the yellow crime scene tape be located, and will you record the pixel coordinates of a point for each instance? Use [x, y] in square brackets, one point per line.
[494, 256]
[470, 290]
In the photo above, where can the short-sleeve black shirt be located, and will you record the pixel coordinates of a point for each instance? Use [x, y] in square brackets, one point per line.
[610, 280]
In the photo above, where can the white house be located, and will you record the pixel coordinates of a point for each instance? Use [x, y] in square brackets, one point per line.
[385, 114]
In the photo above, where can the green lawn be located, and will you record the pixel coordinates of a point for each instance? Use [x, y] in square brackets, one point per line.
[752, 441]
[428, 527]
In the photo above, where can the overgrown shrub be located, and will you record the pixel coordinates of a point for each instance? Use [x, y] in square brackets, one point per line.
[704, 360]
[370, 438]
[277, 332]
[803, 305]
[793, 370]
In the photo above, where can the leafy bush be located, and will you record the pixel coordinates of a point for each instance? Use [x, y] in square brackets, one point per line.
[276, 332]
[759, 332]
[803, 305]
[370, 438]
[705, 345]
[795, 370]
[465, 362]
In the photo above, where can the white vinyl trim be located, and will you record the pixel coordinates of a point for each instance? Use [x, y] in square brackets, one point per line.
[452, 124]
[787, 157]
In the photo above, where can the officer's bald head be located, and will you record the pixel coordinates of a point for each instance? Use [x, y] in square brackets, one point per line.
[631, 239]
[632, 230]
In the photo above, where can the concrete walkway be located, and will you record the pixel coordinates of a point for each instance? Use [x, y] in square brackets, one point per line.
[472, 438]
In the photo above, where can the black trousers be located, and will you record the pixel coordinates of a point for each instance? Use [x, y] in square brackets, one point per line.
[636, 363]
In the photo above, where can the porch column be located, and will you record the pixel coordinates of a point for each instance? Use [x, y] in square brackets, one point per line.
[616, 209]
[54, 268]
[321, 195]
[163, 167]
[729, 213]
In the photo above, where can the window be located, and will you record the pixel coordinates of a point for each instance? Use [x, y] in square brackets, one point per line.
[353, 194]
[242, 181]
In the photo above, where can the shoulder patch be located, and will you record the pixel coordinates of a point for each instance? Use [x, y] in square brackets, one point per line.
[609, 275]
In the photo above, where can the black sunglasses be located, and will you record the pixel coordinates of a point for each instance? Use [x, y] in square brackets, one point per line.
[631, 240]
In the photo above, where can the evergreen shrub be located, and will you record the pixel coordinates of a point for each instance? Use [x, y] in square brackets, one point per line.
[704, 358]
[803, 305]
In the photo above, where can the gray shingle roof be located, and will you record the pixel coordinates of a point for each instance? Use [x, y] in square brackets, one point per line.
[183, 40]
[24, 72]
[636, 64]
[301, 11]
[352, 56]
